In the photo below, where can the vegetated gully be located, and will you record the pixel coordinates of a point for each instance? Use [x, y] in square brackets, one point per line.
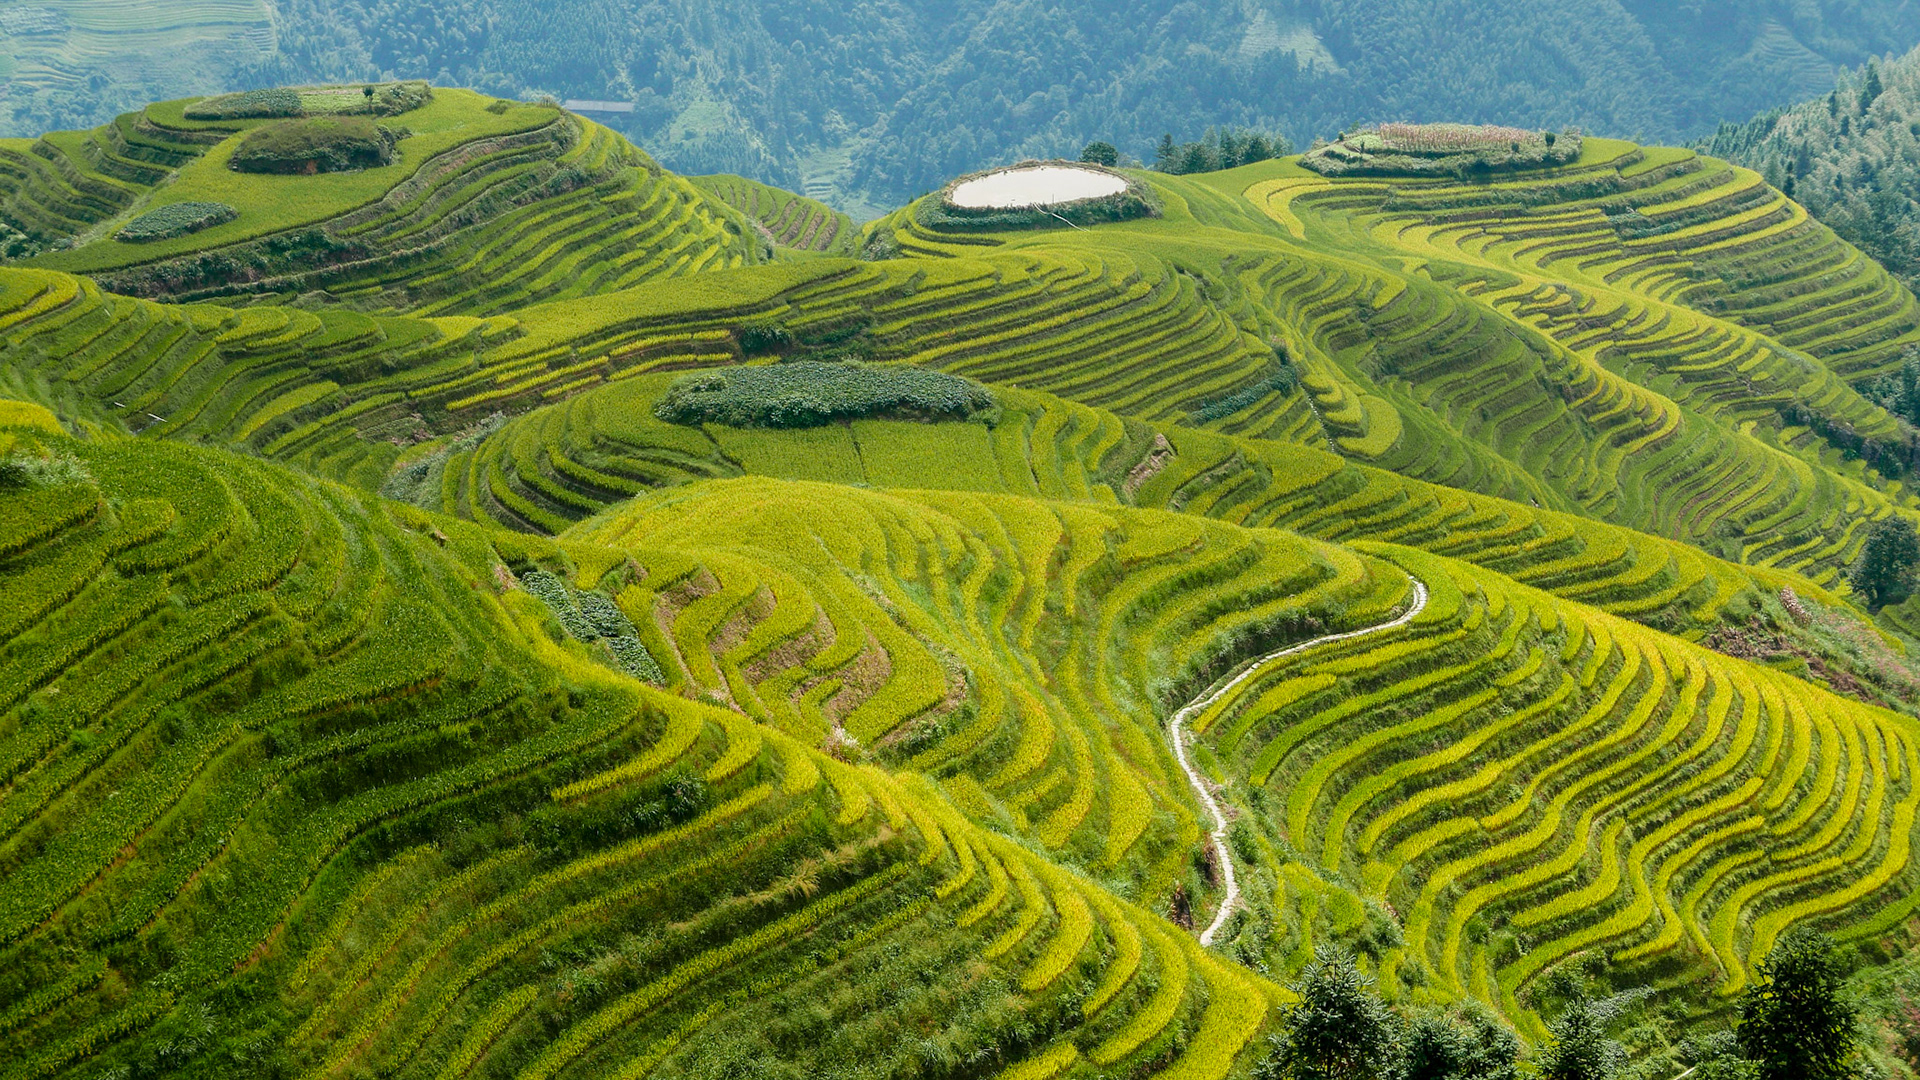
[1177, 729]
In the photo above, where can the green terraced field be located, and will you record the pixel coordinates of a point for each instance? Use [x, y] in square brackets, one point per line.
[490, 205]
[788, 220]
[389, 691]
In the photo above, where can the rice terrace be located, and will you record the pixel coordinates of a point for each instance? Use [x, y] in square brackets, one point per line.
[477, 602]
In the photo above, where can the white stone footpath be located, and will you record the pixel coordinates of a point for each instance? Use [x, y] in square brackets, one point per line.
[1177, 728]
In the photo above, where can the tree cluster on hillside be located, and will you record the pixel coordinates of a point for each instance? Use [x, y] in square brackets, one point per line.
[1219, 148]
[1851, 157]
[1798, 1021]
[909, 93]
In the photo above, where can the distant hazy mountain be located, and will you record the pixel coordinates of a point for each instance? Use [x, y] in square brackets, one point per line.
[878, 99]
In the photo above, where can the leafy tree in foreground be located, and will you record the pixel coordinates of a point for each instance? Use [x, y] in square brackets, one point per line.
[1580, 1049]
[1795, 1022]
[1340, 1030]
[1885, 570]
[1101, 153]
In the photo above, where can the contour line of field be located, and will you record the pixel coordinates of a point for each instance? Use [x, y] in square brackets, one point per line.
[1177, 729]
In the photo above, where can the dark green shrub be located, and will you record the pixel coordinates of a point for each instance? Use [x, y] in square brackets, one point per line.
[1340, 1030]
[1101, 153]
[248, 105]
[764, 337]
[1219, 148]
[317, 145]
[811, 394]
[1579, 1048]
[178, 219]
[396, 98]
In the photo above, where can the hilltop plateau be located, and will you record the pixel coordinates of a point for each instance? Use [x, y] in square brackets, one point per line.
[487, 605]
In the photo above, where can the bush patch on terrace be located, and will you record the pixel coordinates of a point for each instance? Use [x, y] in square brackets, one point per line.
[285, 102]
[940, 212]
[179, 219]
[317, 145]
[248, 105]
[811, 393]
[1441, 150]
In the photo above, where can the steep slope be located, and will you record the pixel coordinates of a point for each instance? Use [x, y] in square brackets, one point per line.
[1552, 343]
[1523, 779]
[1541, 339]
[563, 461]
[1505, 740]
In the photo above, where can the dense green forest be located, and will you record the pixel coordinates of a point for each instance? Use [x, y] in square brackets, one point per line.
[870, 102]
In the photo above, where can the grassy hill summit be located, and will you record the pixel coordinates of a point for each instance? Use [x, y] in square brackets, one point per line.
[474, 603]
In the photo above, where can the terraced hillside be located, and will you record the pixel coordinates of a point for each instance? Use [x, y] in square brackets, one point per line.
[789, 220]
[490, 205]
[70, 61]
[230, 778]
[404, 682]
[1452, 365]
[1540, 338]
[558, 463]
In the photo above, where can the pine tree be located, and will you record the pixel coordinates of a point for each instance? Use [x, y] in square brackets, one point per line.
[1167, 157]
[1340, 1030]
[1872, 89]
[1796, 1023]
[1580, 1049]
[1232, 150]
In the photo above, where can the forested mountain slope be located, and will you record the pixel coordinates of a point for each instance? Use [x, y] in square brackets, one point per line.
[620, 625]
[875, 102]
[1852, 157]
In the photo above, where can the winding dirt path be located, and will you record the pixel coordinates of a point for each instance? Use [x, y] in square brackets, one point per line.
[1177, 728]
